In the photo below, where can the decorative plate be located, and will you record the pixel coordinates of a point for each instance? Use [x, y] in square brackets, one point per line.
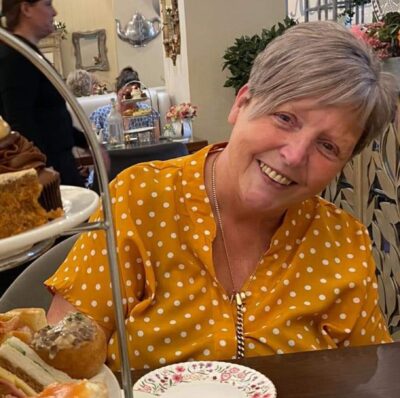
[205, 379]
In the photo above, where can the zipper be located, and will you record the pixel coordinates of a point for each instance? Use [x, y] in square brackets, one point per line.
[240, 306]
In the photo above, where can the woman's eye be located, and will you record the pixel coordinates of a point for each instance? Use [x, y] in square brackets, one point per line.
[283, 117]
[329, 148]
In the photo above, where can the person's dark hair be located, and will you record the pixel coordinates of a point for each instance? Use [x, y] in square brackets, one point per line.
[11, 11]
[126, 75]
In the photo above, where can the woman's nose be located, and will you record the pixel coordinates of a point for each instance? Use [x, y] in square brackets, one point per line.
[296, 151]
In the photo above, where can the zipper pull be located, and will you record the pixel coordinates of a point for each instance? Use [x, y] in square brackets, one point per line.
[240, 297]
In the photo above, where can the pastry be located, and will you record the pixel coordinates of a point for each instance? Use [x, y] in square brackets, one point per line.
[17, 153]
[76, 345]
[19, 206]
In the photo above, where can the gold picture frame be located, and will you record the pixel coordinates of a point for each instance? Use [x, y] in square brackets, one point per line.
[171, 31]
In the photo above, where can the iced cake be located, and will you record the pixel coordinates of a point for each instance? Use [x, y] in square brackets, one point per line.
[17, 153]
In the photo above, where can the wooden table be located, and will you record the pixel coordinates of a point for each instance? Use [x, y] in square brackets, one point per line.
[358, 372]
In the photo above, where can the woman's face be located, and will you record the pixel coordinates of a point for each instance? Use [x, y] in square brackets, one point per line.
[41, 17]
[285, 157]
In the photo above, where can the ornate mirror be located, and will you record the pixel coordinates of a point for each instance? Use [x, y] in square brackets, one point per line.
[90, 50]
[171, 32]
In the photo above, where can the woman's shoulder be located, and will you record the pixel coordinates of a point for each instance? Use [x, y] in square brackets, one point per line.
[165, 170]
[332, 215]
[102, 110]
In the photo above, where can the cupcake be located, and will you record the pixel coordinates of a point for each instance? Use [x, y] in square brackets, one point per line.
[17, 153]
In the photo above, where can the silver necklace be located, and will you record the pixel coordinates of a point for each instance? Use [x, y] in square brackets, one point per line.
[238, 296]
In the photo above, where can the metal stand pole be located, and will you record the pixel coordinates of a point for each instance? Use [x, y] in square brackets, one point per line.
[108, 224]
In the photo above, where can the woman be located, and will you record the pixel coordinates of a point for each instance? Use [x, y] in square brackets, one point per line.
[28, 101]
[81, 83]
[125, 82]
[229, 252]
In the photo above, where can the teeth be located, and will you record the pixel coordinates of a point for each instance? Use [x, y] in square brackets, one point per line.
[280, 179]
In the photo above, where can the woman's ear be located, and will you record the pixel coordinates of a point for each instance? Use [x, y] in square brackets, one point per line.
[242, 98]
[25, 9]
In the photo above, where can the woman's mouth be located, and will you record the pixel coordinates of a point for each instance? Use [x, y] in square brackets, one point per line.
[274, 175]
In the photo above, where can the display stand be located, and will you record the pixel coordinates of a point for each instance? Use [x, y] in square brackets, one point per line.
[108, 224]
[141, 135]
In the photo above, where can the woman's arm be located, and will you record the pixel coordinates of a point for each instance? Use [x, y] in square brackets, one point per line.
[60, 307]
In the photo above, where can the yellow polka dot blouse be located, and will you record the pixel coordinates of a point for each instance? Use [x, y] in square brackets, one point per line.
[314, 288]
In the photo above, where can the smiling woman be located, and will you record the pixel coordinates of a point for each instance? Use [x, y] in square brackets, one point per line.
[230, 252]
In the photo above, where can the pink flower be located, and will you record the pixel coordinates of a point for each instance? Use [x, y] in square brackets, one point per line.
[225, 376]
[234, 370]
[185, 110]
[180, 369]
[369, 33]
[177, 378]
[359, 32]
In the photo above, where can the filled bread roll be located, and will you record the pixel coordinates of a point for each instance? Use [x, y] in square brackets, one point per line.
[76, 345]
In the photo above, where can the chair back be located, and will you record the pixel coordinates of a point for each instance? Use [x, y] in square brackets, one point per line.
[28, 290]
[121, 159]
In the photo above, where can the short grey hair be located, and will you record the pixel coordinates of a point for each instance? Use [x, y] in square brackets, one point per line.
[80, 82]
[322, 60]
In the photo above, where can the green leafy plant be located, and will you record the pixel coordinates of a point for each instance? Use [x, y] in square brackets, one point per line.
[239, 58]
[383, 36]
[390, 32]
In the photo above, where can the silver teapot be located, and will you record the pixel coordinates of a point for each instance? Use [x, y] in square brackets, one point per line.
[139, 30]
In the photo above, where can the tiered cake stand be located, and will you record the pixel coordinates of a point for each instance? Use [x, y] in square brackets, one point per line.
[71, 227]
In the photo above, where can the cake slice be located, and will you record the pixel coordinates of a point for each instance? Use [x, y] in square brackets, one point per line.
[19, 206]
[17, 153]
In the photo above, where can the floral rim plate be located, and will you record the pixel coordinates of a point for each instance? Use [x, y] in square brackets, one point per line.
[205, 379]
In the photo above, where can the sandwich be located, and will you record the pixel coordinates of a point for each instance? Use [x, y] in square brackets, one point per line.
[17, 357]
[11, 386]
[22, 323]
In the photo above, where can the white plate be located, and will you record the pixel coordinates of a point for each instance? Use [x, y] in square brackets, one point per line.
[107, 377]
[79, 204]
[205, 379]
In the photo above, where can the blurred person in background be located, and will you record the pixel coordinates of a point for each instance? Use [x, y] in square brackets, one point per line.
[81, 83]
[28, 100]
[126, 80]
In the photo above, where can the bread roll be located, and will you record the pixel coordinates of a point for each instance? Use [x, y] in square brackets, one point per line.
[80, 389]
[76, 345]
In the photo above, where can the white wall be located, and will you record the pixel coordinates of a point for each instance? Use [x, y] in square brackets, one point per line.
[79, 15]
[148, 60]
[208, 27]
[85, 15]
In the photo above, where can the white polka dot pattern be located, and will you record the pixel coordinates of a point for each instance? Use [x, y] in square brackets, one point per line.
[314, 288]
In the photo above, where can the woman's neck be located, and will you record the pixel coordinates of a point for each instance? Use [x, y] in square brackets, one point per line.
[250, 225]
[26, 34]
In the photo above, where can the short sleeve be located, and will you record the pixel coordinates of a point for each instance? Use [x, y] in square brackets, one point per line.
[370, 327]
[357, 319]
[84, 277]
